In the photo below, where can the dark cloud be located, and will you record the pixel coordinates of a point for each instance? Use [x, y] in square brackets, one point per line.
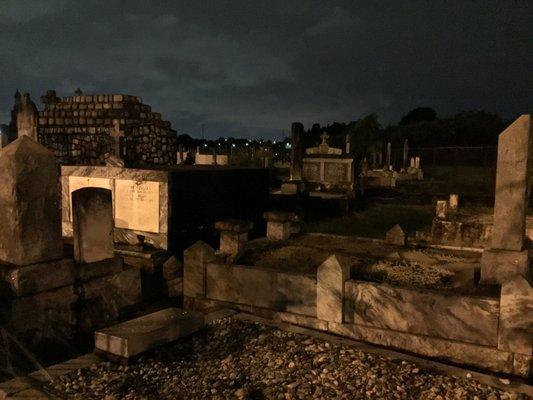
[249, 68]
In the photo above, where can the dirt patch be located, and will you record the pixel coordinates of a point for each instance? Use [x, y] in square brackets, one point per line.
[368, 260]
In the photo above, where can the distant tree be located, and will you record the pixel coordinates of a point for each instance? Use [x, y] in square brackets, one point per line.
[186, 141]
[421, 114]
[363, 134]
[311, 137]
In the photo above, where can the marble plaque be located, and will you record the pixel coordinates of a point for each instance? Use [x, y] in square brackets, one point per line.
[137, 205]
[80, 182]
[335, 172]
[311, 171]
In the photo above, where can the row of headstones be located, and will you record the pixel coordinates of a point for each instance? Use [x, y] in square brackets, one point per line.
[445, 207]
[508, 254]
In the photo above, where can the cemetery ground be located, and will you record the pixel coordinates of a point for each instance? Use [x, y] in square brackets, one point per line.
[242, 359]
[374, 220]
[412, 204]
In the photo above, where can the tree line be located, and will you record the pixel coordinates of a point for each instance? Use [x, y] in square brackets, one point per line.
[421, 126]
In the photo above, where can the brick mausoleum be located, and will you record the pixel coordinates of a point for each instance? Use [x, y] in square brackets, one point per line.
[87, 129]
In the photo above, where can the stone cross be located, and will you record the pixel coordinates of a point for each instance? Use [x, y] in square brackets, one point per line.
[324, 138]
[116, 159]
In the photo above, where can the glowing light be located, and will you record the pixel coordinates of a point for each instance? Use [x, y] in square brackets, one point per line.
[233, 145]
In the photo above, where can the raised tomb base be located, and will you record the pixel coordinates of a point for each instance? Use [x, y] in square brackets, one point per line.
[49, 303]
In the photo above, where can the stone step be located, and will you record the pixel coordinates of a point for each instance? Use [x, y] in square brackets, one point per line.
[138, 335]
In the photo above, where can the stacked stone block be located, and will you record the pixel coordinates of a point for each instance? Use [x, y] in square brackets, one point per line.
[81, 130]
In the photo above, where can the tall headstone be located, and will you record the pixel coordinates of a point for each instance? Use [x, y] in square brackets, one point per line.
[388, 159]
[92, 223]
[180, 147]
[297, 151]
[14, 112]
[405, 153]
[30, 221]
[27, 118]
[348, 144]
[507, 255]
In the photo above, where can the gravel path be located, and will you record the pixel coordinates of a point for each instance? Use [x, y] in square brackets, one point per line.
[235, 359]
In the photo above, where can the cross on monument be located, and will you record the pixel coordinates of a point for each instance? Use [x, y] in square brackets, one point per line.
[324, 138]
[115, 159]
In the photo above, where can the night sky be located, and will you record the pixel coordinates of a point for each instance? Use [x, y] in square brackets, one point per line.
[249, 68]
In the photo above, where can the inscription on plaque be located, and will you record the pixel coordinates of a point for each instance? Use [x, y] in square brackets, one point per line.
[311, 171]
[335, 172]
[137, 205]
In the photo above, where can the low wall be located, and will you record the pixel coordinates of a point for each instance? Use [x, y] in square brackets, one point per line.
[422, 312]
[457, 328]
[261, 288]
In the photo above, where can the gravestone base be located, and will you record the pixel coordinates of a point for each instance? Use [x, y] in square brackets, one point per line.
[106, 298]
[292, 187]
[88, 271]
[41, 277]
[497, 266]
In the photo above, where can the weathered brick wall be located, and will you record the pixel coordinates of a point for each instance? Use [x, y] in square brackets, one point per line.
[80, 130]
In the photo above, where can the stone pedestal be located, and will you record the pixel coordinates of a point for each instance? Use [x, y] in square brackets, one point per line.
[233, 235]
[499, 265]
[30, 220]
[279, 224]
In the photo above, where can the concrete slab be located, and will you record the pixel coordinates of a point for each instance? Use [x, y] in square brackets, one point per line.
[138, 335]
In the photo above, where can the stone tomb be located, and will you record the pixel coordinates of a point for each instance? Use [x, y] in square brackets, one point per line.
[167, 208]
[139, 201]
[326, 166]
[50, 299]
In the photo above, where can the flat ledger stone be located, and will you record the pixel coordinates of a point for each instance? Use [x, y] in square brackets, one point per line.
[141, 334]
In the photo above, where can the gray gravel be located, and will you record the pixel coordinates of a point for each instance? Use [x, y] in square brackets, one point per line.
[235, 359]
